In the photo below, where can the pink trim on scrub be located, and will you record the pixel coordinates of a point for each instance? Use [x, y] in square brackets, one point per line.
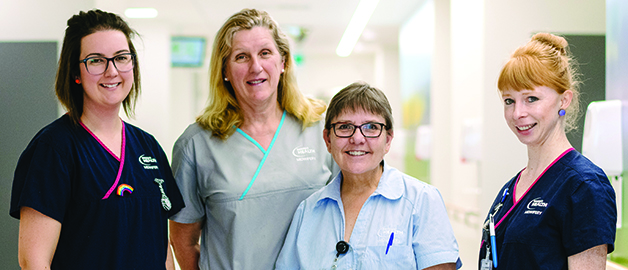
[524, 194]
[121, 158]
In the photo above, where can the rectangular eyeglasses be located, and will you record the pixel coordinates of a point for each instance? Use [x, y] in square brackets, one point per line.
[368, 130]
[97, 65]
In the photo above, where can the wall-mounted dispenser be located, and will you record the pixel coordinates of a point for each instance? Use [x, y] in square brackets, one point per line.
[423, 145]
[471, 147]
[602, 143]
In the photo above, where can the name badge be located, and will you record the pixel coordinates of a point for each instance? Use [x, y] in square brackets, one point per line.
[486, 264]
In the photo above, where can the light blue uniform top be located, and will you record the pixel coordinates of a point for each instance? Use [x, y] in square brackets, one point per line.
[414, 211]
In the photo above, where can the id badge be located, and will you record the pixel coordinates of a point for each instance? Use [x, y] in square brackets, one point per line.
[486, 264]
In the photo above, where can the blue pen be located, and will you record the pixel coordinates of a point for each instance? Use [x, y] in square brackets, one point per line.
[504, 195]
[392, 236]
[493, 244]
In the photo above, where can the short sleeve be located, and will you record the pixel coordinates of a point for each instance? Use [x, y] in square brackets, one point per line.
[289, 257]
[42, 180]
[185, 176]
[172, 188]
[433, 238]
[592, 219]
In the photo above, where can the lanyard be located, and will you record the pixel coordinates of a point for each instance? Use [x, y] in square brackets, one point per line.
[266, 152]
[121, 159]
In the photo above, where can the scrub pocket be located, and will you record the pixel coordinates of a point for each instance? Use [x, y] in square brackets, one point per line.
[398, 257]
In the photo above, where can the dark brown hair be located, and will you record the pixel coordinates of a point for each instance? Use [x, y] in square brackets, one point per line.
[69, 93]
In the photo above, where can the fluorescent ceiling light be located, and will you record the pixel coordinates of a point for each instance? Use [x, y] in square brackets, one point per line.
[356, 25]
[144, 13]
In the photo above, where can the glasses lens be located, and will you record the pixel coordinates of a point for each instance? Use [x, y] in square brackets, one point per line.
[96, 65]
[123, 62]
[344, 130]
[371, 129]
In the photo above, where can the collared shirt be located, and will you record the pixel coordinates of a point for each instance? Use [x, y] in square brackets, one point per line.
[401, 205]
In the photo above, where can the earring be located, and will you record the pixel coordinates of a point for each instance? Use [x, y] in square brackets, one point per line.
[283, 70]
[77, 81]
[561, 112]
[226, 80]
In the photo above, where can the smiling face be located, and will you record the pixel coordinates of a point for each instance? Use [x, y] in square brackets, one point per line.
[254, 67]
[533, 114]
[357, 155]
[107, 90]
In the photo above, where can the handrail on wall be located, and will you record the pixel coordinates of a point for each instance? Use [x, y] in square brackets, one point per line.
[613, 266]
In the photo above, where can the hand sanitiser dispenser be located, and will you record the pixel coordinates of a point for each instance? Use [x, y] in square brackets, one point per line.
[602, 143]
[423, 145]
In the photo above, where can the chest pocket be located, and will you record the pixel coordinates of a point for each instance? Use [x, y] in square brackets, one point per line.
[398, 257]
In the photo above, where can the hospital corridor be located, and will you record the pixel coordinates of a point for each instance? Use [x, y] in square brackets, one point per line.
[438, 62]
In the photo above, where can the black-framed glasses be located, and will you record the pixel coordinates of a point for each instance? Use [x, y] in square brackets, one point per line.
[369, 130]
[97, 65]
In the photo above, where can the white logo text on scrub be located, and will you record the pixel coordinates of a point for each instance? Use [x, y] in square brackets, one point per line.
[533, 206]
[304, 153]
[149, 163]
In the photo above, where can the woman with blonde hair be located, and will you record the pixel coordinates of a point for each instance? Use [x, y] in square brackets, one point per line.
[252, 156]
[559, 211]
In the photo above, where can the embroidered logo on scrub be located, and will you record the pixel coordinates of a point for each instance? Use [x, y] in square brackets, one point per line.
[304, 153]
[536, 207]
[149, 163]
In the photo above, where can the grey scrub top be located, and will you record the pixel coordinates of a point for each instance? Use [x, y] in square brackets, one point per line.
[213, 174]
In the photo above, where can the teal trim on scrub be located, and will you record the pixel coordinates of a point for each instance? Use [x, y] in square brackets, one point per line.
[255, 142]
[266, 152]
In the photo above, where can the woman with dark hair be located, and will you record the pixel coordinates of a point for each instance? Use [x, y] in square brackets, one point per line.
[559, 211]
[91, 191]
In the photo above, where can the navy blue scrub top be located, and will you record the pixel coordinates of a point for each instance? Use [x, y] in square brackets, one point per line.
[64, 174]
[569, 209]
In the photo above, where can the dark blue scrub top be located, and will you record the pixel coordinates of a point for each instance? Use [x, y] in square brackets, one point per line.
[569, 209]
[64, 174]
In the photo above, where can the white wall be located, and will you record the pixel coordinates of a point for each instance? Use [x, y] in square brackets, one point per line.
[36, 20]
[466, 88]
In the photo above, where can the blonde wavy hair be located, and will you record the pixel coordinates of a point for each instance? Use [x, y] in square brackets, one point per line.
[544, 61]
[224, 113]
